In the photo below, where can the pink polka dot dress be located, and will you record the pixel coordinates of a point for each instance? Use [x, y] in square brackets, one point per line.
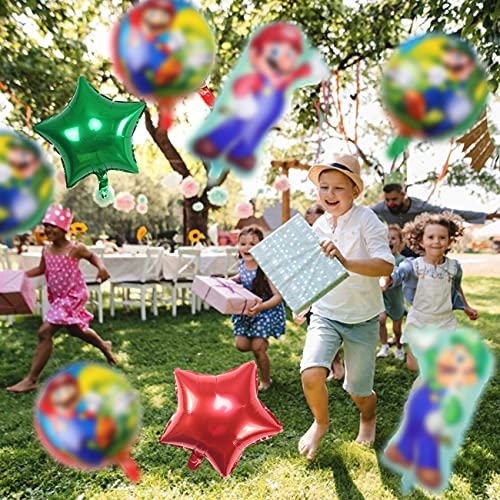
[67, 291]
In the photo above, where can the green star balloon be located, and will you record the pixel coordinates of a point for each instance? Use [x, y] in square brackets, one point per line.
[93, 134]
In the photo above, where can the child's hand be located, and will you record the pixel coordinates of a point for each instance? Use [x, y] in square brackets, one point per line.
[472, 313]
[330, 250]
[102, 275]
[255, 309]
[385, 282]
[298, 319]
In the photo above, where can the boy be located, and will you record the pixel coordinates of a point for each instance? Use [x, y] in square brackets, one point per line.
[349, 313]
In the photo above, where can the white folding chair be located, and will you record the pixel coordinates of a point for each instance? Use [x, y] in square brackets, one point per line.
[135, 249]
[94, 287]
[232, 262]
[188, 265]
[147, 282]
[4, 266]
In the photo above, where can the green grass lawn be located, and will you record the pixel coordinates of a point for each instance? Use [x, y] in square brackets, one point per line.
[148, 353]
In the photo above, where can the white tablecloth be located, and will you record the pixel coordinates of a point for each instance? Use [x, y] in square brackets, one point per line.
[210, 263]
[126, 267]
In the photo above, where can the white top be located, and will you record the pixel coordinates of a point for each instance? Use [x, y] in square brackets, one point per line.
[359, 235]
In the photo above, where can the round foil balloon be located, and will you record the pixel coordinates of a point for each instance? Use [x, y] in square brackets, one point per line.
[163, 49]
[26, 183]
[87, 416]
[433, 86]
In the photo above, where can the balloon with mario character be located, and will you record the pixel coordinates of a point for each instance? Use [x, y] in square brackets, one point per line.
[277, 61]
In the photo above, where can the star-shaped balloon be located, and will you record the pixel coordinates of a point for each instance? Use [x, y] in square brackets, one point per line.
[93, 134]
[219, 416]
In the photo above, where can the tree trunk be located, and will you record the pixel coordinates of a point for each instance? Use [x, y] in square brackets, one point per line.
[191, 219]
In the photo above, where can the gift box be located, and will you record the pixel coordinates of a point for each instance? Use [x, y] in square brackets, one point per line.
[17, 295]
[291, 257]
[224, 295]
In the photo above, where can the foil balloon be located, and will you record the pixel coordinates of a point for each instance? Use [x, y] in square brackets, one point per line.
[93, 134]
[219, 416]
[433, 86]
[277, 61]
[88, 416]
[163, 50]
[26, 183]
[454, 367]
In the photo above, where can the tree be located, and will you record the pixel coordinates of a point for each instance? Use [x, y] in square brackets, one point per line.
[44, 47]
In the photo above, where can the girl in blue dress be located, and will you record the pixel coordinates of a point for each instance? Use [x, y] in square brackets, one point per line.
[267, 317]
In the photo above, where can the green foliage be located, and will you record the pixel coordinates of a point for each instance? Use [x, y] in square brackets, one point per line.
[149, 352]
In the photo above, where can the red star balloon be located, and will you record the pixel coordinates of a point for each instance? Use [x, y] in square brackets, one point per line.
[219, 416]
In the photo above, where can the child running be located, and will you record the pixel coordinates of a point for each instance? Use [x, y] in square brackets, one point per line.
[67, 293]
[267, 317]
[394, 301]
[431, 282]
[349, 313]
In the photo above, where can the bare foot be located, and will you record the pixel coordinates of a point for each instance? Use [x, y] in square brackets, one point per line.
[337, 370]
[264, 386]
[107, 352]
[309, 442]
[25, 385]
[367, 427]
[394, 455]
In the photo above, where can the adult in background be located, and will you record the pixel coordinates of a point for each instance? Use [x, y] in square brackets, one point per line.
[399, 208]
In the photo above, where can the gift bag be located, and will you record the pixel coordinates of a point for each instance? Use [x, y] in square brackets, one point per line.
[17, 295]
[291, 257]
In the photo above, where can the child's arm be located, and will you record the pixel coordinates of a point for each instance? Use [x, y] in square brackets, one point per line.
[374, 267]
[471, 313]
[268, 304]
[82, 252]
[235, 278]
[38, 270]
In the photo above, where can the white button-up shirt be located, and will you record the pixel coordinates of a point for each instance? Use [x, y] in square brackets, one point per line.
[359, 235]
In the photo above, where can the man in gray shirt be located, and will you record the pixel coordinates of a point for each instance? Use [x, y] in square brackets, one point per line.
[399, 208]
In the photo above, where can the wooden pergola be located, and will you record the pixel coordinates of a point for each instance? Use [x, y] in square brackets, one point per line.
[284, 167]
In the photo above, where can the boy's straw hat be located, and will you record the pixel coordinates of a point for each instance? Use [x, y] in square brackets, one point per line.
[346, 164]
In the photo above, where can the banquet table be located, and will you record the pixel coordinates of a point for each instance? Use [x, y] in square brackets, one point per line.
[130, 267]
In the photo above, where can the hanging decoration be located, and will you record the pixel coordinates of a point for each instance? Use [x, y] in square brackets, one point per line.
[198, 206]
[195, 235]
[141, 232]
[444, 170]
[477, 144]
[281, 183]
[189, 187]
[218, 196]
[244, 210]
[171, 181]
[124, 202]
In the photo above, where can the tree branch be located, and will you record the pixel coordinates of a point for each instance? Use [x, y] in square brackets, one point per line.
[160, 137]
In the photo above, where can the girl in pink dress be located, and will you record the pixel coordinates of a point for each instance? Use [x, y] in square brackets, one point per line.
[67, 293]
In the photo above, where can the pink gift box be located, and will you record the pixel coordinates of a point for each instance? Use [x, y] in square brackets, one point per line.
[17, 295]
[224, 295]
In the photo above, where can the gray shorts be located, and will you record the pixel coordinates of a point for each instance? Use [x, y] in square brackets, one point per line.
[324, 338]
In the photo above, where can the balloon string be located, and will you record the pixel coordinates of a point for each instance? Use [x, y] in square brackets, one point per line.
[320, 126]
[444, 170]
[356, 114]
[339, 109]
[15, 100]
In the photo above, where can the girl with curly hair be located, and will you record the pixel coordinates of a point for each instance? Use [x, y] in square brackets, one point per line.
[432, 282]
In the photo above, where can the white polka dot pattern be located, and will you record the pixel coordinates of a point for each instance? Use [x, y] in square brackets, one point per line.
[292, 259]
[67, 291]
